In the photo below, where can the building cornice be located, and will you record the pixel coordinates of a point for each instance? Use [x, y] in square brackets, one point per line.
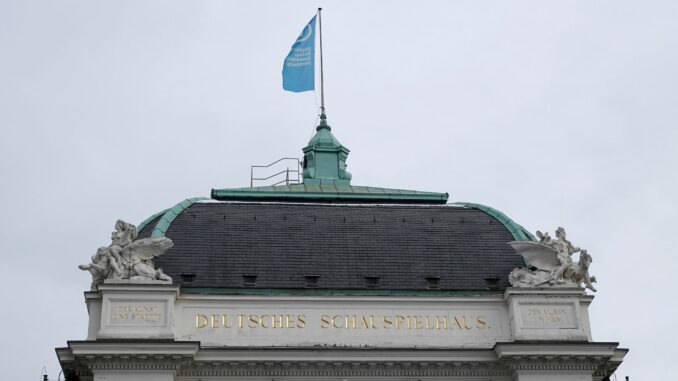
[189, 360]
[600, 358]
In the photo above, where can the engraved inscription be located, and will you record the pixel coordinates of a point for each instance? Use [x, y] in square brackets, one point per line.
[125, 313]
[548, 316]
[395, 322]
[391, 326]
[141, 313]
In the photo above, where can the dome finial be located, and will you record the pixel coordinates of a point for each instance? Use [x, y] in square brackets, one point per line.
[323, 120]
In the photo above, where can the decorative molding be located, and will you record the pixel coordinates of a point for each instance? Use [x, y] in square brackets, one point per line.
[345, 369]
[599, 359]
[86, 364]
[554, 363]
[84, 358]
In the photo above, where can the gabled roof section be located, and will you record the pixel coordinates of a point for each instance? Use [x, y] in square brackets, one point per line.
[329, 193]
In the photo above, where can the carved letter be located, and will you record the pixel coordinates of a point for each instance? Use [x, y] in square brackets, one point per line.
[334, 321]
[225, 321]
[253, 320]
[417, 321]
[456, 322]
[289, 324]
[276, 319]
[200, 321]
[374, 326]
[480, 322]
[399, 320]
[463, 319]
[214, 322]
[388, 322]
[444, 318]
[262, 320]
[353, 322]
[302, 321]
[324, 321]
[427, 324]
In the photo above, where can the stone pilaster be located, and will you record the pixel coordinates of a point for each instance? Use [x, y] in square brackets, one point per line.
[134, 311]
[546, 314]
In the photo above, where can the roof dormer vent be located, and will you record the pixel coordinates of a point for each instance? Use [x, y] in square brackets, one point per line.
[492, 282]
[372, 281]
[249, 280]
[433, 282]
[187, 278]
[311, 281]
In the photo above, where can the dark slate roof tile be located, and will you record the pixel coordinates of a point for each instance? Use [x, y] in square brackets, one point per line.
[282, 242]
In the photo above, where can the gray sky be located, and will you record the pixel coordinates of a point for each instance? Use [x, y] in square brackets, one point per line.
[556, 113]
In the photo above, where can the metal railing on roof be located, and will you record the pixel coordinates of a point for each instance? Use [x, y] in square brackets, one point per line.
[290, 175]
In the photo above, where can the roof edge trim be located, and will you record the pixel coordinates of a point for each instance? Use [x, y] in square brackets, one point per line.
[149, 219]
[232, 194]
[518, 231]
[170, 214]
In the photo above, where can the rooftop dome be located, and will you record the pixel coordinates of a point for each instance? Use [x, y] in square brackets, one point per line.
[326, 235]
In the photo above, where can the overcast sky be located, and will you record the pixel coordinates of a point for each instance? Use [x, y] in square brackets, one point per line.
[558, 113]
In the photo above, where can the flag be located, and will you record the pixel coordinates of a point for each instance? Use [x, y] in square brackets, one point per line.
[299, 66]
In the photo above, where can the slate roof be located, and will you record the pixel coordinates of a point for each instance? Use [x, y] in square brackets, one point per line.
[222, 243]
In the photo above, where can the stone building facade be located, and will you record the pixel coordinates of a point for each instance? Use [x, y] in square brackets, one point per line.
[326, 280]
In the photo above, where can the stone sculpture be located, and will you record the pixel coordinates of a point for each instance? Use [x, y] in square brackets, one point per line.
[128, 258]
[550, 263]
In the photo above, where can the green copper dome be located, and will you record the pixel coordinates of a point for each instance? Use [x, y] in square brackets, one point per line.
[325, 158]
[326, 180]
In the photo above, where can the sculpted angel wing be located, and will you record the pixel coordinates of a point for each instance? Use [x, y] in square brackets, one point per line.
[149, 248]
[536, 254]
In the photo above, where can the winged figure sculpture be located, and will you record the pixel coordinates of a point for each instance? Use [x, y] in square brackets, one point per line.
[537, 254]
[128, 257]
[549, 263]
[137, 258]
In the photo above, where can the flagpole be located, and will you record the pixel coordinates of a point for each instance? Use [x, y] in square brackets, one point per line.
[322, 79]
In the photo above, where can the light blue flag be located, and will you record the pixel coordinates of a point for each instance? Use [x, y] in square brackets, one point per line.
[299, 66]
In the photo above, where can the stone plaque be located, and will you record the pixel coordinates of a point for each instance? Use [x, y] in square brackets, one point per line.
[553, 314]
[137, 313]
[134, 311]
[548, 316]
